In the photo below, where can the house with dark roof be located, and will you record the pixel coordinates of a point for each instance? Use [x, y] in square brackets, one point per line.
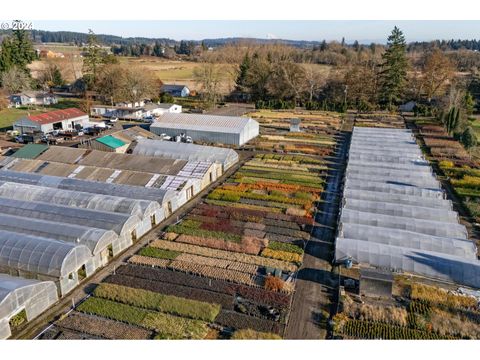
[175, 90]
[66, 119]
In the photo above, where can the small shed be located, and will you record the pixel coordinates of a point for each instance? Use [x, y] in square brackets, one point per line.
[111, 144]
[376, 283]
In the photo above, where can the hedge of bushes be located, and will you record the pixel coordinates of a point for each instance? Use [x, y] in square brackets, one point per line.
[282, 255]
[375, 330]
[275, 245]
[154, 301]
[166, 326]
[158, 253]
[239, 321]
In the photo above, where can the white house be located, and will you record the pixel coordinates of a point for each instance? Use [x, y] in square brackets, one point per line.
[33, 98]
[160, 109]
[67, 119]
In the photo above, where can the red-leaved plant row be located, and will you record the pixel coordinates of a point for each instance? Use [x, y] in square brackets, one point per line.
[108, 329]
[257, 295]
[159, 286]
[239, 321]
[214, 210]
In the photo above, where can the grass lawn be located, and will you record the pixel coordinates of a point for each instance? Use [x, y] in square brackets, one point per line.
[9, 116]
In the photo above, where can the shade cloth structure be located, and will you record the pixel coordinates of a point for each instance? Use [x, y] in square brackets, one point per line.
[17, 294]
[394, 213]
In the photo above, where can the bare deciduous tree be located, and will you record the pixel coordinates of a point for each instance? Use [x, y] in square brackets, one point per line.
[209, 76]
[15, 80]
[438, 72]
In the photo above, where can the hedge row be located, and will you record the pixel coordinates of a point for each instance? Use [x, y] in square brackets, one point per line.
[158, 253]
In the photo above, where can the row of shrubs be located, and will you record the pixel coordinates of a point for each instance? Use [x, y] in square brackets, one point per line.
[192, 227]
[166, 326]
[154, 301]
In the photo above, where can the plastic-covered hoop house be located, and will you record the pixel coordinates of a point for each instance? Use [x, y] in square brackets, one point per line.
[19, 294]
[42, 258]
[190, 152]
[123, 224]
[394, 214]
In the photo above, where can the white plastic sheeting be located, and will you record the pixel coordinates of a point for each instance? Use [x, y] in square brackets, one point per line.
[100, 202]
[95, 239]
[409, 239]
[427, 263]
[40, 256]
[94, 187]
[17, 294]
[397, 199]
[190, 152]
[394, 214]
[400, 210]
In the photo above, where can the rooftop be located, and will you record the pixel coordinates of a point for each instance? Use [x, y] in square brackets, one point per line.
[231, 124]
[111, 141]
[30, 151]
[56, 116]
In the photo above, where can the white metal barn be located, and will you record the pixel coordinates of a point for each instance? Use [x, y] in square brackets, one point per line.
[394, 213]
[18, 294]
[231, 130]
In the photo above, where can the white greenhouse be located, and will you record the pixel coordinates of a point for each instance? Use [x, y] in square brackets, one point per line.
[191, 152]
[18, 294]
[394, 214]
[44, 259]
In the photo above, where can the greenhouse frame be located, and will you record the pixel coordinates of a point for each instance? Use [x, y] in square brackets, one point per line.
[18, 294]
[395, 215]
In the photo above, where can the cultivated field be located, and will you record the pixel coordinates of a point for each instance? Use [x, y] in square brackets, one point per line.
[228, 268]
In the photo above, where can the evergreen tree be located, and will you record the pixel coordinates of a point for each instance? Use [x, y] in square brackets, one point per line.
[23, 52]
[93, 57]
[6, 58]
[394, 69]
[57, 78]
[241, 82]
[469, 138]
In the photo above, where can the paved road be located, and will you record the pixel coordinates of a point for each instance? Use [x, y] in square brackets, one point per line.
[34, 327]
[316, 285]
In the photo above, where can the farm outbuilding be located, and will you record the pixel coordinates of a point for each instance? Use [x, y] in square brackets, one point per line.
[230, 130]
[191, 152]
[394, 213]
[19, 295]
[44, 259]
[66, 119]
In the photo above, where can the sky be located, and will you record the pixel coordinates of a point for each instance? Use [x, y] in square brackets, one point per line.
[365, 31]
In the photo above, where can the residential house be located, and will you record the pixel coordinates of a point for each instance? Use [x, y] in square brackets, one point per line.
[176, 90]
[29, 98]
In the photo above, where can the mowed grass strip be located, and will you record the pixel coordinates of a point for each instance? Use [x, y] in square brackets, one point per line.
[166, 326]
[174, 305]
